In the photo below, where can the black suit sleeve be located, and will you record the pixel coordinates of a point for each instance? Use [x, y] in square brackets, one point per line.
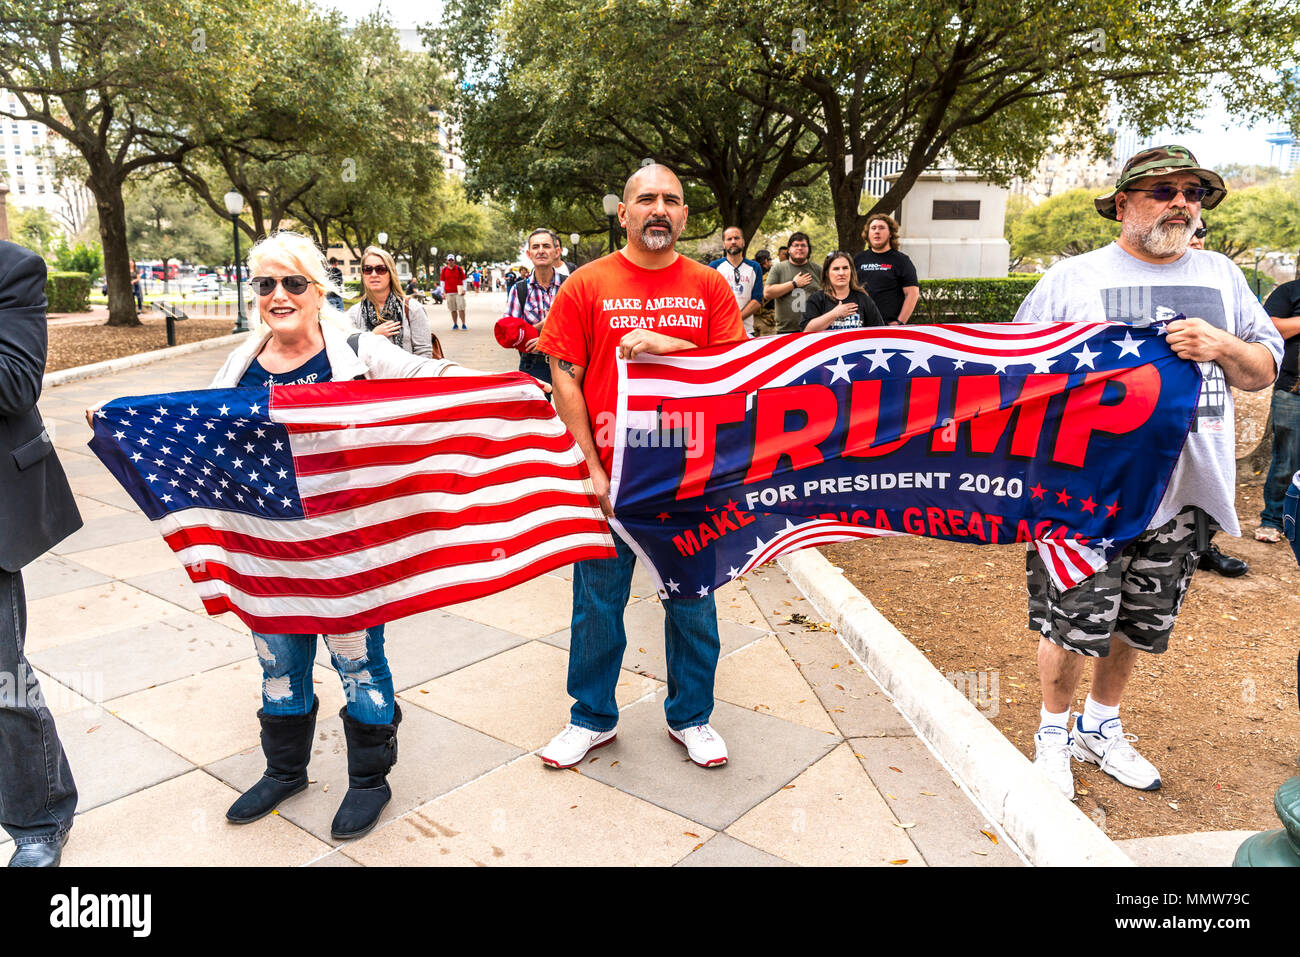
[22, 329]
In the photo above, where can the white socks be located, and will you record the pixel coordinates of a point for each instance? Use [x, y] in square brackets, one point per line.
[1047, 719]
[1095, 713]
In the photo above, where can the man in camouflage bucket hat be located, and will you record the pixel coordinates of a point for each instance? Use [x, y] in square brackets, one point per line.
[1147, 275]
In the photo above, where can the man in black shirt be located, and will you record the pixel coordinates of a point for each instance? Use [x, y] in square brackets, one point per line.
[1283, 307]
[887, 275]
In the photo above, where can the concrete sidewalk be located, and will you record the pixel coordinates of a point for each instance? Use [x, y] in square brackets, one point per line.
[155, 703]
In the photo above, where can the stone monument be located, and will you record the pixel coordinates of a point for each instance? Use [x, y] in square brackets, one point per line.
[952, 226]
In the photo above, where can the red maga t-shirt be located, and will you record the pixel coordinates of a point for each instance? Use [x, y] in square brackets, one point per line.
[606, 299]
[452, 278]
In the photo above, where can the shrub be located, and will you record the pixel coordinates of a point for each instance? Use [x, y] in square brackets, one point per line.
[972, 300]
[83, 257]
[68, 291]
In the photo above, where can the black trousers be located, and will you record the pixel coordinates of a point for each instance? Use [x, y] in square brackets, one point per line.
[37, 794]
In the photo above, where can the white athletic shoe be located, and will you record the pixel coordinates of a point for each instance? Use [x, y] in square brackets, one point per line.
[1052, 757]
[704, 745]
[572, 744]
[1110, 749]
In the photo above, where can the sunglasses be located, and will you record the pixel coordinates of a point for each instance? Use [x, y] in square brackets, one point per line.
[379, 270]
[1200, 232]
[1164, 192]
[294, 285]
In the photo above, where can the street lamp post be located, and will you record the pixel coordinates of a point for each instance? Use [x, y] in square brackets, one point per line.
[235, 206]
[1259, 254]
[573, 246]
[383, 239]
[610, 203]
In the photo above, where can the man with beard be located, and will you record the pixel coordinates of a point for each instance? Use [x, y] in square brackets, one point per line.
[790, 283]
[643, 298]
[745, 276]
[1147, 275]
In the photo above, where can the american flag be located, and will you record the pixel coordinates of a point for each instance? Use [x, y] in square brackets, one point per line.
[649, 487]
[328, 508]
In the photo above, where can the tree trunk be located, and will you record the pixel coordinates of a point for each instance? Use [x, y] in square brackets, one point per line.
[112, 235]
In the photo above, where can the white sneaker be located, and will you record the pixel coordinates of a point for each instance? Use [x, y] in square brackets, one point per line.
[572, 744]
[1110, 749]
[705, 747]
[1052, 757]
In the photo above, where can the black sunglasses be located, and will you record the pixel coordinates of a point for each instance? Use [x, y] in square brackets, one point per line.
[294, 285]
[1200, 232]
[380, 269]
[1164, 192]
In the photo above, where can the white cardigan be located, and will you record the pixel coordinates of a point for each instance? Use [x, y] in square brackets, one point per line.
[375, 358]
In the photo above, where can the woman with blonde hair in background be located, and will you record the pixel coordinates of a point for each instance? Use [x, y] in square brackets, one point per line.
[387, 311]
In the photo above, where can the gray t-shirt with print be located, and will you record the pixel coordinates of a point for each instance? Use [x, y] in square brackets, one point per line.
[1109, 284]
[788, 309]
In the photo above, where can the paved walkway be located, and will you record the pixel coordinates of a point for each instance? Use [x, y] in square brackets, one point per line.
[155, 703]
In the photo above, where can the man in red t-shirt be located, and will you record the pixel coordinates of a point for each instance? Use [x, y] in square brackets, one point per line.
[453, 280]
[645, 298]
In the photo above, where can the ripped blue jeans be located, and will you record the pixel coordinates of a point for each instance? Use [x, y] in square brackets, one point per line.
[357, 657]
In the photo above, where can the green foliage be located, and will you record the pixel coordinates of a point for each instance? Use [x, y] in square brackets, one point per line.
[1064, 225]
[85, 258]
[1265, 216]
[35, 229]
[165, 221]
[971, 300]
[67, 291]
[1266, 282]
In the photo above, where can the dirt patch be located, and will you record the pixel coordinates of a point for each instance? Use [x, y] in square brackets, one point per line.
[1216, 713]
[72, 346]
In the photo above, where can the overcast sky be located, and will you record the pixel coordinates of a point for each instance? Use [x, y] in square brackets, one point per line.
[1220, 139]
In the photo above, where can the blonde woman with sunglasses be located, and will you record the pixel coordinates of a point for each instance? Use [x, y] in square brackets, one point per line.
[301, 338]
[387, 311]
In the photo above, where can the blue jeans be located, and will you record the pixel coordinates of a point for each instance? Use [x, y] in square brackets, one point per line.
[358, 658]
[601, 587]
[1286, 456]
[37, 794]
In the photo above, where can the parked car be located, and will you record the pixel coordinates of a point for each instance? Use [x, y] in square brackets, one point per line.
[206, 284]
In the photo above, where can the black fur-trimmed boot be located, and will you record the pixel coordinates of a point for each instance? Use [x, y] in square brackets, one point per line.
[372, 752]
[286, 742]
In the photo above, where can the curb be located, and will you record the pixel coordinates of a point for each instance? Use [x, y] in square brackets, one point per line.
[110, 366]
[1051, 831]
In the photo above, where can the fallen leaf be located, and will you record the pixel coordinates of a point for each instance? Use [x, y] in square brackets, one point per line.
[841, 687]
[95, 728]
[981, 853]
[892, 768]
[899, 861]
[890, 796]
[1174, 805]
[930, 793]
[325, 788]
[856, 755]
[906, 825]
[642, 650]
[572, 806]
[613, 764]
[834, 667]
[697, 847]
[787, 787]
[424, 691]
[690, 833]
[990, 835]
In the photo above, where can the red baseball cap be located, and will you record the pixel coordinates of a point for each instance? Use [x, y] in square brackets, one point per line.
[513, 332]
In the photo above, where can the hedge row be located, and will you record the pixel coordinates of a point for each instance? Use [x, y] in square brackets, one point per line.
[68, 291]
[972, 300]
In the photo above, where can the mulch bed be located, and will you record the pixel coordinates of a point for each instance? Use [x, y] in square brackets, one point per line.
[72, 346]
[1216, 713]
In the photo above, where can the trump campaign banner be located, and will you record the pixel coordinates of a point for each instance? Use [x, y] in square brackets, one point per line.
[322, 509]
[1061, 435]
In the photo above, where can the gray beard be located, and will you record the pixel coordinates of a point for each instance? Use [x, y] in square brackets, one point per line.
[657, 242]
[1164, 240]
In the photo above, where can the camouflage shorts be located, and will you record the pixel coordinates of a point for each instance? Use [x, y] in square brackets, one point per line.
[1137, 596]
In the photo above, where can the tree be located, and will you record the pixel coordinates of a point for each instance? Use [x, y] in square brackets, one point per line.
[120, 80]
[546, 131]
[165, 221]
[1065, 225]
[1266, 216]
[985, 84]
[36, 229]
